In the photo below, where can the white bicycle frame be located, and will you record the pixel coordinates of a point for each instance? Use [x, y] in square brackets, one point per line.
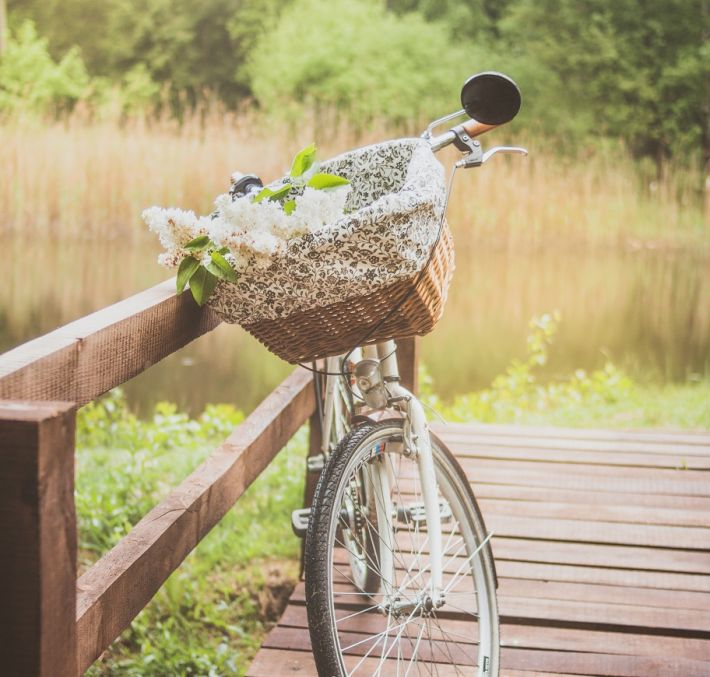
[416, 441]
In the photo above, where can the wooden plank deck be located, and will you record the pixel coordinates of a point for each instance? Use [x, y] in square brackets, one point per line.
[602, 544]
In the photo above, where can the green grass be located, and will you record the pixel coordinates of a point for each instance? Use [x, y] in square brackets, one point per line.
[673, 407]
[212, 614]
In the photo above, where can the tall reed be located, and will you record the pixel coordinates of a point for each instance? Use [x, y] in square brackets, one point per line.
[84, 178]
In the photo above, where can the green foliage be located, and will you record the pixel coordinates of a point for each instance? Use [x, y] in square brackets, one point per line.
[404, 69]
[194, 49]
[222, 267]
[465, 19]
[624, 69]
[517, 393]
[30, 80]
[303, 161]
[198, 244]
[188, 267]
[137, 91]
[276, 195]
[211, 614]
[202, 284]
[183, 44]
[66, 23]
[324, 181]
[133, 461]
[605, 398]
[629, 69]
[304, 170]
[203, 278]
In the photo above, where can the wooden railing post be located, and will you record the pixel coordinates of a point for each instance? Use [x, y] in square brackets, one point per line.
[315, 443]
[38, 542]
[408, 362]
[315, 437]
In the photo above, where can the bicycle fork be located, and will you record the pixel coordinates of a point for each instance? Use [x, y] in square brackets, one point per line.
[416, 441]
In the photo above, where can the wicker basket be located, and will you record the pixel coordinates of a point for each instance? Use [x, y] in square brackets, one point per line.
[380, 272]
[404, 309]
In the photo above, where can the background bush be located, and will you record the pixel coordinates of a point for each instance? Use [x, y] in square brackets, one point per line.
[404, 69]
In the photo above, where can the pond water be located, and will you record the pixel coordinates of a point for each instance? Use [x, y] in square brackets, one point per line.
[648, 311]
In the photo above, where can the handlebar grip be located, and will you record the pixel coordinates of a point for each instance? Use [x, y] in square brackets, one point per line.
[474, 128]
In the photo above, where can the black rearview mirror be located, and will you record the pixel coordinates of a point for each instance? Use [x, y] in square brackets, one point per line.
[491, 98]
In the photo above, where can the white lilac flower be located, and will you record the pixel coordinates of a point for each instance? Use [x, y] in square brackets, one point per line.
[171, 259]
[222, 201]
[317, 208]
[175, 228]
[253, 232]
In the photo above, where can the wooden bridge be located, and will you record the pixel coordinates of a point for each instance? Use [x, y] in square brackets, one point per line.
[601, 539]
[602, 547]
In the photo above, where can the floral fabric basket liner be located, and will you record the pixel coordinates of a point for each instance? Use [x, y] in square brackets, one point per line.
[393, 220]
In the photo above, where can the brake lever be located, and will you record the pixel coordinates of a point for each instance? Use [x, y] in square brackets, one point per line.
[512, 150]
[476, 159]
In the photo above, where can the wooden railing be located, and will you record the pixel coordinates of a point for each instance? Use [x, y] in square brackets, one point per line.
[50, 622]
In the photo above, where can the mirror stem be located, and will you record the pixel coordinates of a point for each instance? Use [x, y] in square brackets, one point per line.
[432, 125]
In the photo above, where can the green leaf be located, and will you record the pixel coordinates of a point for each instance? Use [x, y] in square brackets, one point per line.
[278, 194]
[303, 160]
[263, 193]
[202, 284]
[289, 206]
[321, 181]
[281, 192]
[215, 270]
[187, 269]
[223, 250]
[226, 272]
[198, 244]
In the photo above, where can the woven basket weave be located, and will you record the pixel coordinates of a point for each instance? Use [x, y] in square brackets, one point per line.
[339, 327]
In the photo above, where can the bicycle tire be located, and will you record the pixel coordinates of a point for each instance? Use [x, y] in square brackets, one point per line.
[328, 606]
[340, 425]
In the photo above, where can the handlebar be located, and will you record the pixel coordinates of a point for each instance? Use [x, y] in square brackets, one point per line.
[463, 136]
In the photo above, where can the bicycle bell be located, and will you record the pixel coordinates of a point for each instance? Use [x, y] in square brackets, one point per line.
[245, 184]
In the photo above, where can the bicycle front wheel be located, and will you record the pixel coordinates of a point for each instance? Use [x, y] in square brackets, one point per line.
[390, 628]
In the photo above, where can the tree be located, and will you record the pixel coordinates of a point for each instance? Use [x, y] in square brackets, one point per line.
[465, 19]
[70, 23]
[638, 69]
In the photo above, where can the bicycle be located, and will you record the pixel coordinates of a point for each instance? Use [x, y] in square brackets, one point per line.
[399, 570]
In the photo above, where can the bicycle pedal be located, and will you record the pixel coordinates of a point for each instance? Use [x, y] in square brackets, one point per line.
[416, 513]
[299, 521]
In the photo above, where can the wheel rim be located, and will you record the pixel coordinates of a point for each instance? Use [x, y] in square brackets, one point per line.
[401, 634]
